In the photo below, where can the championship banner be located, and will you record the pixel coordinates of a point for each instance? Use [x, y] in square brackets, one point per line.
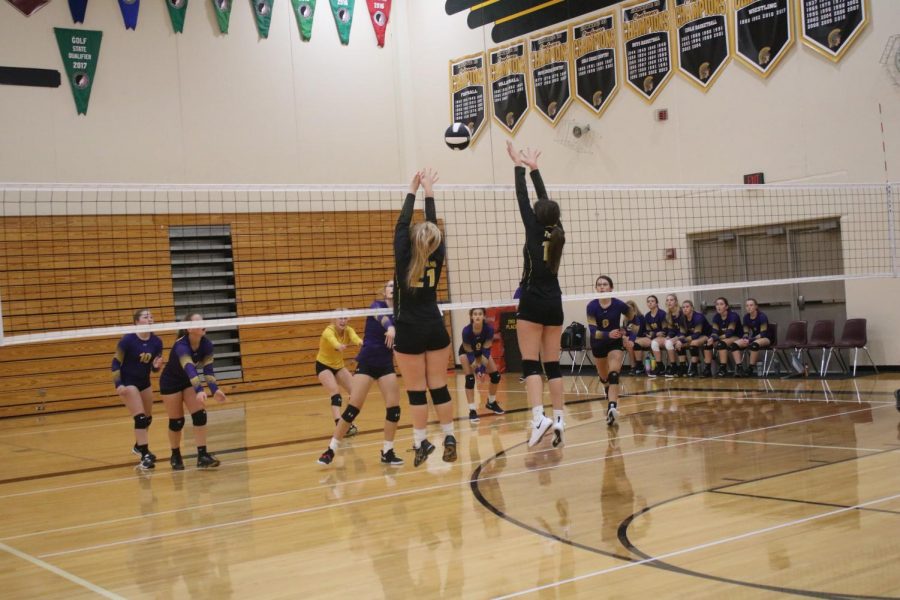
[79, 49]
[343, 18]
[26, 7]
[177, 9]
[467, 93]
[595, 62]
[262, 9]
[702, 40]
[646, 28]
[222, 9]
[550, 78]
[304, 10]
[830, 26]
[130, 9]
[78, 8]
[509, 85]
[763, 33]
[380, 12]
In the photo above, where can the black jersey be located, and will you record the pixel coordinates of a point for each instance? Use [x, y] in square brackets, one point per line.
[419, 303]
[537, 279]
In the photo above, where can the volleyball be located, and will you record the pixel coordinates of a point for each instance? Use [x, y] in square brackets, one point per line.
[457, 137]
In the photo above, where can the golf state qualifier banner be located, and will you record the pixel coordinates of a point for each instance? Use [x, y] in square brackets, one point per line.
[550, 78]
[764, 32]
[830, 26]
[702, 40]
[595, 62]
[79, 49]
[646, 29]
[507, 69]
[468, 96]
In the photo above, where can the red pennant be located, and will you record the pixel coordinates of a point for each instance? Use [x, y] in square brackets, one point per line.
[380, 12]
[26, 7]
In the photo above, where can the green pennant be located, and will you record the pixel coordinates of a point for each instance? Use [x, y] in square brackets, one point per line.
[177, 8]
[263, 11]
[343, 18]
[223, 13]
[304, 11]
[80, 50]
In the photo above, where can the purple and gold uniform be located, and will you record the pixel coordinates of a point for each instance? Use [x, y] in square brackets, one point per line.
[636, 327]
[479, 343]
[655, 324]
[134, 360]
[375, 359]
[601, 321]
[727, 327]
[181, 370]
[695, 327]
[756, 328]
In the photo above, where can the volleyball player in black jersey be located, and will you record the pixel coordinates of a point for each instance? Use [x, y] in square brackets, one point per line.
[540, 316]
[422, 344]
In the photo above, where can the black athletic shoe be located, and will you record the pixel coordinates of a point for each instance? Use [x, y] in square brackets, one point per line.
[388, 458]
[207, 461]
[897, 398]
[473, 416]
[722, 372]
[352, 431]
[449, 449]
[739, 371]
[669, 373]
[707, 371]
[494, 407]
[147, 463]
[637, 371]
[328, 456]
[691, 371]
[137, 451]
[659, 371]
[751, 371]
[177, 463]
[423, 452]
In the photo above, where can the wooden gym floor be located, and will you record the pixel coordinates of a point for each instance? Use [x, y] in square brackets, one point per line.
[708, 489]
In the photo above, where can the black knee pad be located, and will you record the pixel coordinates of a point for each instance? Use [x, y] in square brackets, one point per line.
[552, 370]
[149, 420]
[176, 424]
[392, 414]
[734, 347]
[417, 398]
[613, 377]
[695, 351]
[141, 421]
[440, 396]
[531, 367]
[470, 382]
[754, 346]
[350, 413]
[495, 377]
[336, 400]
[681, 352]
[199, 418]
[720, 345]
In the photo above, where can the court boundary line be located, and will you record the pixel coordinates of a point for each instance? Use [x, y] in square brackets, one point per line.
[61, 572]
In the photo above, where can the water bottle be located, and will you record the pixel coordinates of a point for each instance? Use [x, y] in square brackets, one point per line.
[652, 362]
[648, 364]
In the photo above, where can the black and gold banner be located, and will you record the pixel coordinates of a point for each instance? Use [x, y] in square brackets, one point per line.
[550, 78]
[763, 32]
[830, 26]
[468, 95]
[646, 29]
[701, 35]
[507, 69]
[595, 62]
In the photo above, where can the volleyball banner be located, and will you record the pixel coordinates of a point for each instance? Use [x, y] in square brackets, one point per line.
[78, 8]
[702, 40]
[467, 93]
[509, 85]
[79, 49]
[222, 8]
[646, 28]
[595, 62]
[26, 7]
[550, 77]
[130, 10]
[764, 32]
[830, 26]
[343, 18]
[380, 13]
[304, 11]
[177, 9]
[262, 10]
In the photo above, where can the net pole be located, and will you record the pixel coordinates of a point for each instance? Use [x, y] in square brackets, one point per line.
[891, 232]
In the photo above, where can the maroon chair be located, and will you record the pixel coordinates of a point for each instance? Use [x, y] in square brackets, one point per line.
[821, 338]
[794, 339]
[854, 336]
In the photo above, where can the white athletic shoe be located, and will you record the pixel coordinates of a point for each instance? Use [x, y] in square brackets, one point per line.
[612, 414]
[558, 427]
[538, 431]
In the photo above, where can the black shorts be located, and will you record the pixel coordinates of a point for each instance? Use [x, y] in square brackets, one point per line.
[322, 367]
[140, 384]
[420, 337]
[543, 311]
[172, 388]
[372, 371]
[602, 348]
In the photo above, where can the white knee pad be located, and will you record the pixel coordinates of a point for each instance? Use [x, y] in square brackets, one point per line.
[654, 345]
[670, 345]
